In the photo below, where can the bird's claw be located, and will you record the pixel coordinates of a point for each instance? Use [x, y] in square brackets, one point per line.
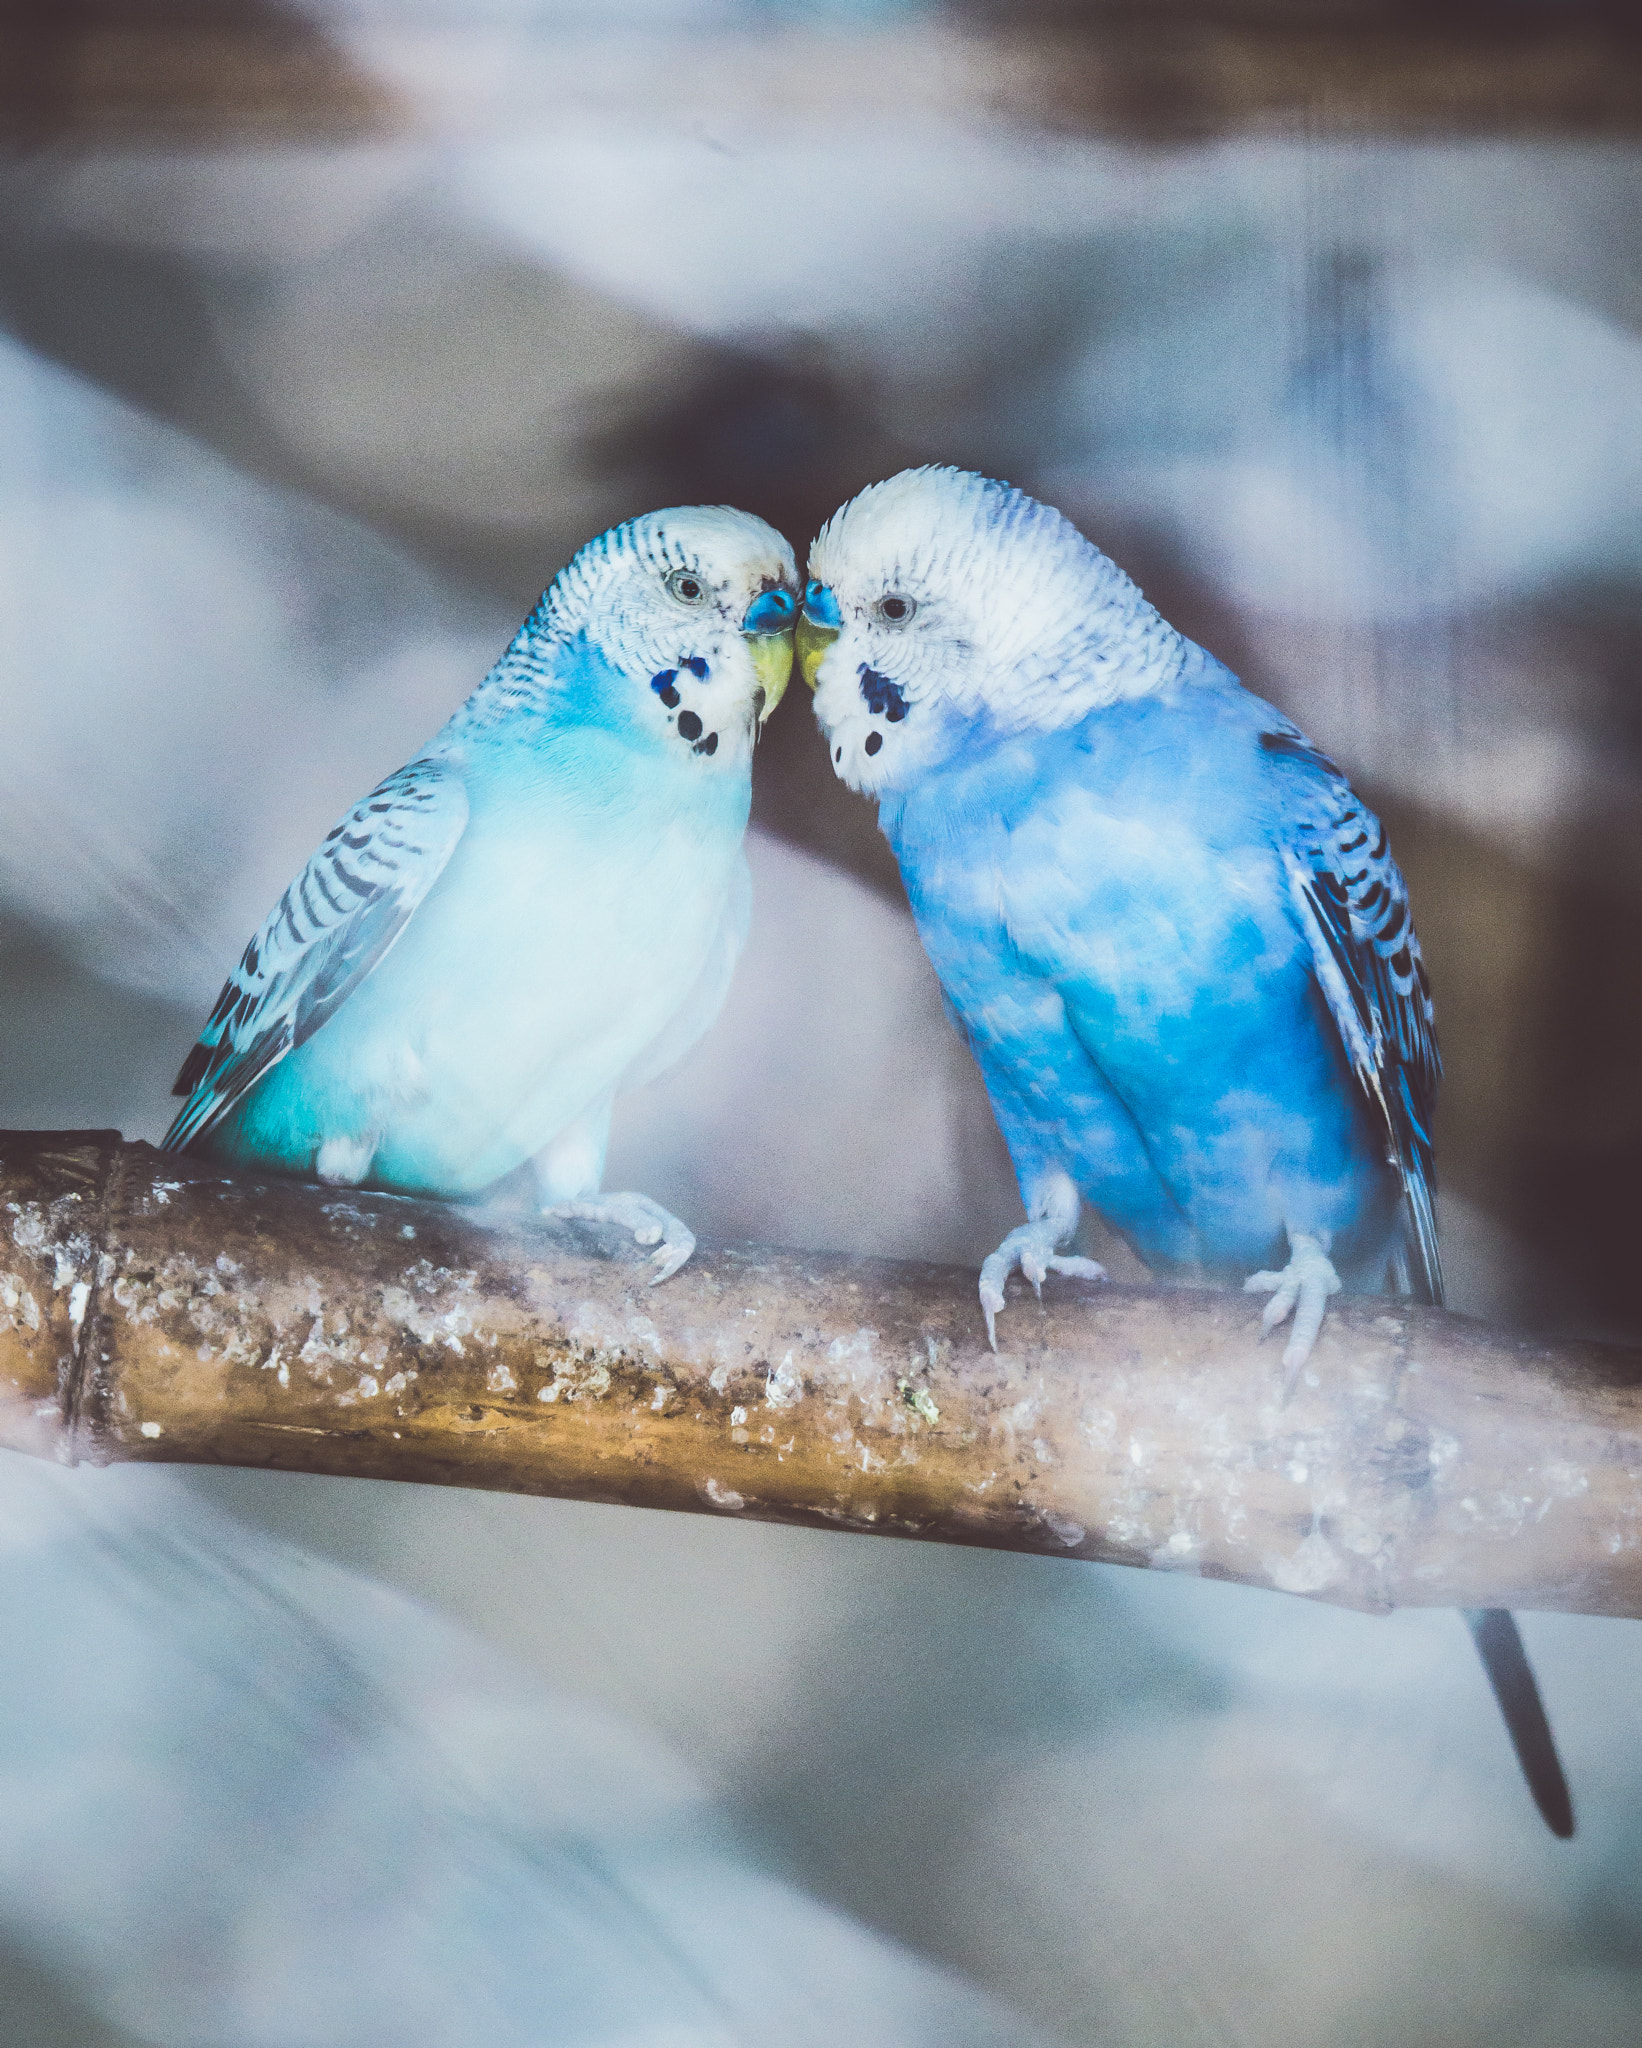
[1079, 1269]
[1032, 1249]
[991, 1302]
[649, 1222]
[1302, 1290]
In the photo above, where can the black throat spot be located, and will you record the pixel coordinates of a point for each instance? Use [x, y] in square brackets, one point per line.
[882, 697]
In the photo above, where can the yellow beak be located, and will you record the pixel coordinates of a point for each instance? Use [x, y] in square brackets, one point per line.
[772, 664]
[767, 629]
[813, 642]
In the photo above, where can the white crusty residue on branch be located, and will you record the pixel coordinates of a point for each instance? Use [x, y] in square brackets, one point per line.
[151, 1309]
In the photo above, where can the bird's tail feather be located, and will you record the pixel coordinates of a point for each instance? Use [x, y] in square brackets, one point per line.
[1417, 1272]
[1499, 1644]
[1422, 1260]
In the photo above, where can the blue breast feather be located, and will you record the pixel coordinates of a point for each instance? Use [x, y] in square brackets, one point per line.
[1182, 955]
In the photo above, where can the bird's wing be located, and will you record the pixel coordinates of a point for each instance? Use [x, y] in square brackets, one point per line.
[325, 934]
[1352, 903]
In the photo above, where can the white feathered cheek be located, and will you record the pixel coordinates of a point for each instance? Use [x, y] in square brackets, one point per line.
[706, 701]
[865, 714]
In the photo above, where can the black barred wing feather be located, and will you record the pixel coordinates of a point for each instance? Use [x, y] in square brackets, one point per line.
[325, 934]
[1353, 905]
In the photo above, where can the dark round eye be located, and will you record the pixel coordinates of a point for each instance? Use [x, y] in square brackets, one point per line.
[895, 609]
[687, 587]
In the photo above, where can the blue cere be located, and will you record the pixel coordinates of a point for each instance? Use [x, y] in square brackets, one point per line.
[884, 700]
[770, 613]
[821, 607]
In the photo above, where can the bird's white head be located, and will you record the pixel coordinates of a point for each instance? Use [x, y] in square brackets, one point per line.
[940, 600]
[693, 611]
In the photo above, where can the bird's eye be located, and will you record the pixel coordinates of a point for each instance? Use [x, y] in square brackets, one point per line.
[895, 609]
[687, 587]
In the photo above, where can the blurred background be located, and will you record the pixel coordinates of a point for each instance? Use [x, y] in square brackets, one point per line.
[328, 331]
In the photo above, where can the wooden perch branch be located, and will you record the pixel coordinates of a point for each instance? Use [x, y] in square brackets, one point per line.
[152, 1309]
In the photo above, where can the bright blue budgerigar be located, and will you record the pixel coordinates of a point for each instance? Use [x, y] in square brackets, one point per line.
[542, 909]
[1176, 940]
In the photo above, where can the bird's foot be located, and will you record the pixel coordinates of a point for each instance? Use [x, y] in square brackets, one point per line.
[1302, 1290]
[649, 1222]
[1032, 1248]
[344, 1162]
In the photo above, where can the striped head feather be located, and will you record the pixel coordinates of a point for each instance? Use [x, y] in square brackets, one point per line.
[940, 598]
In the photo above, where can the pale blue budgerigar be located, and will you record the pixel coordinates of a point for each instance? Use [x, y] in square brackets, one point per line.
[1176, 940]
[542, 909]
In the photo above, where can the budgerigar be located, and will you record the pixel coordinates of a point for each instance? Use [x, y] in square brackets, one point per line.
[1177, 942]
[541, 909]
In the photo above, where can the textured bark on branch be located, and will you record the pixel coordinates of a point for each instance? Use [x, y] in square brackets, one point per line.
[152, 1309]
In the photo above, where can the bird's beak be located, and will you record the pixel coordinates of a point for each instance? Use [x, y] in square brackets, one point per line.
[768, 626]
[819, 624]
